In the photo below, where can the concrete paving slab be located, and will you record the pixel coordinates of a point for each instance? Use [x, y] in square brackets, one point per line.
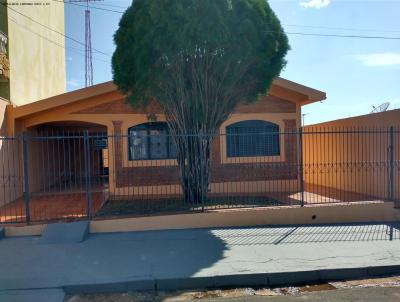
[58, 233]
[200, 258]
[39, 295]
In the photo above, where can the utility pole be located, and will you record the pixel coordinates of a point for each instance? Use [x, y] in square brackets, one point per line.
[302, 118]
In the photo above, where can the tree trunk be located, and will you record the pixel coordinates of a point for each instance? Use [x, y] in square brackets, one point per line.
[198, 97]
[194, 153]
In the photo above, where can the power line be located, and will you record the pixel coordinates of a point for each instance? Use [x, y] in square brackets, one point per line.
[343, 36]
[341, 28]
[56, 31]
[289, 33]
[90, 6]
[111, 5]
[76, 50]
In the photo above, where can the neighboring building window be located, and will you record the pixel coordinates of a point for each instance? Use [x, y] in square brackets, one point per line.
[151, 141]
[252, 138]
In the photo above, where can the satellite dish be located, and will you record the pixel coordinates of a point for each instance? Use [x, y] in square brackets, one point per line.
[380, 108]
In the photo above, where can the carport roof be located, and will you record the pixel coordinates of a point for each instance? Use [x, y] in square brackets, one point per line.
[310, 95]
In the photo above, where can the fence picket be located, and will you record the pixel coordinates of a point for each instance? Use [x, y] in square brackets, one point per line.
[70, 174]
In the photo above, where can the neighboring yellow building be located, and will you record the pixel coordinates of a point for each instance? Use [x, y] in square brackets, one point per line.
[32, 57]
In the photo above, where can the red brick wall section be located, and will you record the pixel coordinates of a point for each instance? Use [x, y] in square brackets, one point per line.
[169, 175]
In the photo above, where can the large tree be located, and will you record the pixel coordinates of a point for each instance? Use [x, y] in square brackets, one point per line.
[199, 59]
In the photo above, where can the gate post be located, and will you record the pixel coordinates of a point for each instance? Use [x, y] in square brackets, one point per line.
[201, 172]
[391, 164]
[301, 170]
[26, 178]
[86, 157]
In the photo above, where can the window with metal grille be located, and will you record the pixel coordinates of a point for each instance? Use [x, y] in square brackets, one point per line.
[151, 141]
[252, 138]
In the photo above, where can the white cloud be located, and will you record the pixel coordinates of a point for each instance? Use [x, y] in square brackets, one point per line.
[315, 3]
[380, 59]
[69, 58]
[73, 83]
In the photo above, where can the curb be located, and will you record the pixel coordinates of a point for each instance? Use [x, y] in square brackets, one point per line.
[242, 280]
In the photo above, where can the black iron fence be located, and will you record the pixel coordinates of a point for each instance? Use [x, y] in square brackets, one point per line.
[72, 174]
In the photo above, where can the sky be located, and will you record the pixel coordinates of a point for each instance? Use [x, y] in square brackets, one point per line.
[355, 73]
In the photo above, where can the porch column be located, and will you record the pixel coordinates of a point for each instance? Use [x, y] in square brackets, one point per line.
[117, 153]
[117, 144]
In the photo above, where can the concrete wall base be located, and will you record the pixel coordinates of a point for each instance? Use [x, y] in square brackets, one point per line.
[26, 230]
[377, 211]
[372, 211]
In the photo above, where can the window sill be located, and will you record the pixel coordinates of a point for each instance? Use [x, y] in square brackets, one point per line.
[137, 163]
[252, 159]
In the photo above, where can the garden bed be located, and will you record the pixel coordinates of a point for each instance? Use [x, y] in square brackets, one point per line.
[174, 205]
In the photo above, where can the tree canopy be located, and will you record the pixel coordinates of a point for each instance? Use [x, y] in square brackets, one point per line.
[152, 33]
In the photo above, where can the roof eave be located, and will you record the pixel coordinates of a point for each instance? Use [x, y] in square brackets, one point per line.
[312, 95]
[63, 99]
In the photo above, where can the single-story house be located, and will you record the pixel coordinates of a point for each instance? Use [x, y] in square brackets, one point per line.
[130, 164]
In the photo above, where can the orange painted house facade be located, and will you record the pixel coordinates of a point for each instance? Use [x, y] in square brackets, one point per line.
[102, 112]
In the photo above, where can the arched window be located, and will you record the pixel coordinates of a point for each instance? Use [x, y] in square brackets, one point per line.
[151, 141]
[252, 138]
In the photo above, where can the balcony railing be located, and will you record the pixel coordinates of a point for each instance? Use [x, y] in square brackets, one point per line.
[3, 43]
[4, 64]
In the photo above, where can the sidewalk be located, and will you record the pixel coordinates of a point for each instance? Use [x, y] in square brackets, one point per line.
[200, 258]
